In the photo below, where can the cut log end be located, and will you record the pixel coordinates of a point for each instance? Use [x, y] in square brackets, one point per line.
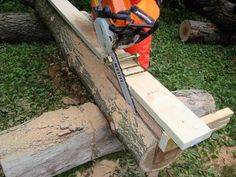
[185, 30]
[154, 159]
[196, 31]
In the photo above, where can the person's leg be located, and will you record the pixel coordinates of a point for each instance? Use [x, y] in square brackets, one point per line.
[143, 48]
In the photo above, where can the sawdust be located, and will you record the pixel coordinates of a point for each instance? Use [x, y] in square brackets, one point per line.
[104, 168]
[70, 101]
[65, 80]
[225, 159]
[50, 128]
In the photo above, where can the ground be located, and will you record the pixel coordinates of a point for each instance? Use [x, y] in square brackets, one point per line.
[35, 79]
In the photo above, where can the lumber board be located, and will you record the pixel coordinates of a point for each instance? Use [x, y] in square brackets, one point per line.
[47, 146]
[218, 116]
[190, 136]
[128, 64]
[215, 121]
[80, 23]
[180, 123]
[132, 70]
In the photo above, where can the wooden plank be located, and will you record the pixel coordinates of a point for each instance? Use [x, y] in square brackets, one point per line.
[132, 70]
[128, 64]
[79, 23]
[215, 121]
[182, 125]
[220, 115]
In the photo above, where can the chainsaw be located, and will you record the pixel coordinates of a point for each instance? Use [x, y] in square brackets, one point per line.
[118, 25]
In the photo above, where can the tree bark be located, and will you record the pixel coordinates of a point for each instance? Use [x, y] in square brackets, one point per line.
[82, 134]
[220, 12]
[23, 27]
[195, 31]
[199, 101]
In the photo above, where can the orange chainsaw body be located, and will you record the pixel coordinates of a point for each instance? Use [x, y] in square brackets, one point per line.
[150, 7]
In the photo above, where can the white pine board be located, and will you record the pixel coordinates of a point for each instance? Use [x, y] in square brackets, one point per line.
[132, 70]
[79, 23]
[180, 123]
[128, 64]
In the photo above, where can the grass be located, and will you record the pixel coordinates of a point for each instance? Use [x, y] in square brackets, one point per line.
[25, 87]
[26, 90]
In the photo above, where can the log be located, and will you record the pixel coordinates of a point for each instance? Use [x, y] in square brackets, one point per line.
[196, 31]
[56, 142]
[128, 126]
[54, 138]
[22, 27]
[154, 98]
[220, 12]
[199, 101]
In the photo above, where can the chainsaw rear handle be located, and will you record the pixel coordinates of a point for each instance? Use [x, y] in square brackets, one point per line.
[106, 13]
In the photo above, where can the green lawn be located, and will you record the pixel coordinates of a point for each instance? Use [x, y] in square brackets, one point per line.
[26, 90]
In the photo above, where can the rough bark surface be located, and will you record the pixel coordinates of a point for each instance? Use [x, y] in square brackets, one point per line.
[23, 27]
[199, 101]
[195, 31]
[220, 12]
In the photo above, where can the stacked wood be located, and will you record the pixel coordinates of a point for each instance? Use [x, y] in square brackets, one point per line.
[196, 31]
[221, 12]
[23, 27]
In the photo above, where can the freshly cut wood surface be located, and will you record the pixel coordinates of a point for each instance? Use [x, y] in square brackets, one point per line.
[180, 123]
[56, 142]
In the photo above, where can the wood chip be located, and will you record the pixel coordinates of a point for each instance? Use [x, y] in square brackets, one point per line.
[64, 132]
[64, 125]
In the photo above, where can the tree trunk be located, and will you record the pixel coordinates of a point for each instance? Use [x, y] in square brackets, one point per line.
[195, 31]
[56, 142]
[23, 27]
[220, 12]
[69, 131]
[128, 126]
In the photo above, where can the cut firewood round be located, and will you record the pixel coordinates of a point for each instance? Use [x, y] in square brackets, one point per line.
[196, 31]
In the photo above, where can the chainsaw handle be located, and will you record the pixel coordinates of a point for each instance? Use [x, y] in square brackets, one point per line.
[123, 15]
